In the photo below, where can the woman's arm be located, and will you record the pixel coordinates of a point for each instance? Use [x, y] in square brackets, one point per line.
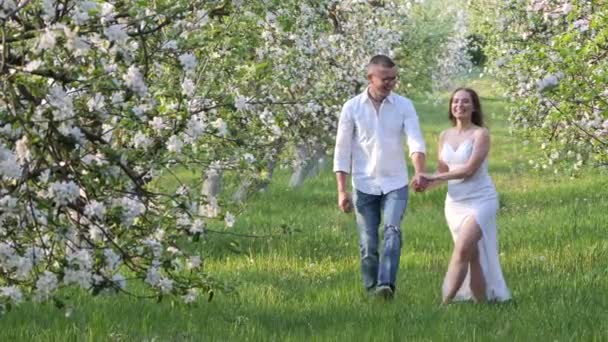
[481, 147]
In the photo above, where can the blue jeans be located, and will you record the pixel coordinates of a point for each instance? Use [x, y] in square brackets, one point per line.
[368, 211]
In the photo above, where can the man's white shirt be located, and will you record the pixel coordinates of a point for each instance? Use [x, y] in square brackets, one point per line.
[369, 144]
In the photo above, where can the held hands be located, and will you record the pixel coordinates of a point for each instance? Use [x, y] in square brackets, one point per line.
[345, 202]
[421, 181]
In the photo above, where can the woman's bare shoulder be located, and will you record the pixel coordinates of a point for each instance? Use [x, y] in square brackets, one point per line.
[481, 132]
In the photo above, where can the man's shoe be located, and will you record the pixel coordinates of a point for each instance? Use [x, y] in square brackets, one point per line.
[385, 292]
[371, 291]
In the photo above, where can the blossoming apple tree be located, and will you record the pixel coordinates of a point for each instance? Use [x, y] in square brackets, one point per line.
[103, 104]
[550, 55]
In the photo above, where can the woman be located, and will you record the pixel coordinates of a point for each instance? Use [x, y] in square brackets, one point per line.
[471, 205]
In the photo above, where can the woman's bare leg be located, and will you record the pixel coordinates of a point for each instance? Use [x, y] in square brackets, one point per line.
[464, 248]
[478, 282]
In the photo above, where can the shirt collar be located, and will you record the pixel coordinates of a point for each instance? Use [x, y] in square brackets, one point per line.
[365, 96]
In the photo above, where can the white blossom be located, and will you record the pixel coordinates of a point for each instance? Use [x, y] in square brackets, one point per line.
[211, 209]
[44, 176]
[229, 220]
[202, 17]
[249, 158]
[190, 296]
[116, 33]
[64, 192]
[94, 159]
[47, 40]
[81, 258]
[22, 151]
[119, 280]
[95, 209]
[95, 233]
[78, 45]
[175, 144]
[188, 61]
[48, 9]
[198, 226]
[131, 209]
[81, 12]
[157, 123]
[582, 25]
[221, 126]
[46, 285]
[134, 80]
[107, 11]
[170, 45]
[241, 103]
[188, 87]
[23, 267]
[72, 131]
[112, 259]
[153, 276]
[9, 168]
[33, 65]
[8, 202]
[165, 284]
[12, 292]
[96, 102]
[81, 277]
[140, 140]
[173, 250]
[195, 129]
[194, 262]
[62, 103]
[547, 83]
[118, 97]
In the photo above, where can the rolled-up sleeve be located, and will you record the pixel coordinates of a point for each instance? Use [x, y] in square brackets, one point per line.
[344, 141]
[411, 127]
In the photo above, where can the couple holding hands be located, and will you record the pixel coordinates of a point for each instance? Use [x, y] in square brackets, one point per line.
[369, 147]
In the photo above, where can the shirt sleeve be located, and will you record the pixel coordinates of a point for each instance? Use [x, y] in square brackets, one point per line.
[344, 141]
[411, 127]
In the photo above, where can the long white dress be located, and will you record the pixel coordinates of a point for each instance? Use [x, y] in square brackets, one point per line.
[475, 196]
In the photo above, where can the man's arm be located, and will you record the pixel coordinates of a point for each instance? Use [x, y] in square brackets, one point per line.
[416, 146]
[343, 157]
[344, 200]
[419, 161]
[341, 180]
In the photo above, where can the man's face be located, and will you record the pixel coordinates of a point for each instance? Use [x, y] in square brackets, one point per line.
[381, 79]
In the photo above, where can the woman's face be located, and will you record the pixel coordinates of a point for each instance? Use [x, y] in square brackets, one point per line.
[462, 105]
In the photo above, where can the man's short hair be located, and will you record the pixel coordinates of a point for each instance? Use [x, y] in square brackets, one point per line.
[381, 60]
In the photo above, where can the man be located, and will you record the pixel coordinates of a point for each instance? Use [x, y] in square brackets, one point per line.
[369, 146]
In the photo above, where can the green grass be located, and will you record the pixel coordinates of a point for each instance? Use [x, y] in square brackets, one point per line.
[303, 282]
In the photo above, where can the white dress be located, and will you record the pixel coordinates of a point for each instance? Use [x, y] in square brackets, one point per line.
[475, 196]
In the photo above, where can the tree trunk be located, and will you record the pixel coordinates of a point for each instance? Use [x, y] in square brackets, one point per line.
[240, 195]
[301, 166]
[212, 184]
[317, 162]
[211, 188]
[248, 185]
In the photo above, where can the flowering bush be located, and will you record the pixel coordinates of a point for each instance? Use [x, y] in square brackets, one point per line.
[550, 55]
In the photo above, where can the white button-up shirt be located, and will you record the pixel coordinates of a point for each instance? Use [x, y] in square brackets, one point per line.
[370, 143]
